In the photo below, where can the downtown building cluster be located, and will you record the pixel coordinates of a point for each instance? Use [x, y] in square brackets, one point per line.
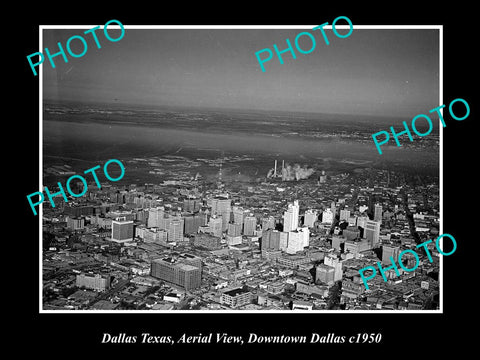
[257, 246]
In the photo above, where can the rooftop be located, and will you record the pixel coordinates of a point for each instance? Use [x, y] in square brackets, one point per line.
[236, 291]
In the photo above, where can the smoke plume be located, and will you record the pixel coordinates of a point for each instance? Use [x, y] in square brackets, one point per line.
[293, 172]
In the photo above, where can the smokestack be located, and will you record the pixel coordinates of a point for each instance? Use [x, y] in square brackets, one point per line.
[275, 171]
[283, 164]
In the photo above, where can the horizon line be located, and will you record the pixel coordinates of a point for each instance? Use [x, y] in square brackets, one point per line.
[206, 107]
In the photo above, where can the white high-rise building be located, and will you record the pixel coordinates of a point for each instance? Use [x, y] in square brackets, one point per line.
[333, 207]
[238, 215]
[305, 231]
[362, 208]
[327, 216]
[283, 241]
[344, 214]
[378, 212]
[362, 221]
[156, 217]
[295, 242]
[222, 206]
[215, 226]
[310, 217]
[175, 230]
[290, 217]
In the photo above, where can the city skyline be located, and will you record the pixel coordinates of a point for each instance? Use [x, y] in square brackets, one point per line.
[263, 239]
[263, 265]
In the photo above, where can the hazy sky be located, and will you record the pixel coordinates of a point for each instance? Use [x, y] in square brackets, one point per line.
[378, 72]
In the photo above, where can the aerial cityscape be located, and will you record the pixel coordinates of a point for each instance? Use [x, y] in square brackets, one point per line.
[209, 230]
[242, 191]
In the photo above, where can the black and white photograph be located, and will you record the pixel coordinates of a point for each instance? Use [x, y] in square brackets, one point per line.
[268, 195]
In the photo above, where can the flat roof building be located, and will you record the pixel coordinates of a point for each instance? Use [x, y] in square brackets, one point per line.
[236, 297]
[122, 231]
[95, 282]
[184, 271]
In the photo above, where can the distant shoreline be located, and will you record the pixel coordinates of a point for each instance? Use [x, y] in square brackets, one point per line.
[367, 118]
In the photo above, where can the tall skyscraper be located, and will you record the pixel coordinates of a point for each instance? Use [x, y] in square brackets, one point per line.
[156, 217]
[194, 221]
[298, 240]
[311, 216]
[327, 216]
[362, 221]
[190, 226]
[268, 223]
[200, 218]
[175, 230]
[372, 232]
[344, 214]
[265, 240]
[215, 225]
[290, 217]
[238, 215]
[191, 205]
[377, 213]
[283, 241]
[234, 229]
[333, 208]
[222, 206]
[270, 240]
[226, 217]
[250, 225]
[305, 235]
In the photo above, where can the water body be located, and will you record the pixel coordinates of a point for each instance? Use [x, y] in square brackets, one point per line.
[102, 133]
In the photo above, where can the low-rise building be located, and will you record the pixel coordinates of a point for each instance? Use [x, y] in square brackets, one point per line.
[95, 282]
[236, 297]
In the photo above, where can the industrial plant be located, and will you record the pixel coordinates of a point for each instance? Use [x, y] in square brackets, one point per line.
[290, 172]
